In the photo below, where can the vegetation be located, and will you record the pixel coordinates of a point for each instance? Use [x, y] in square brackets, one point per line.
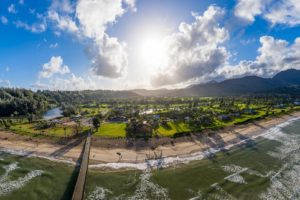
[112, 130]
[16, 102]
[133, 116]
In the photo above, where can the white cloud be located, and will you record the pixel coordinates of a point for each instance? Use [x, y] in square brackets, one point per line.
[90, 20]
[7, 69]
[195, 51]
[64, 6]
[285, 12]
[34, 28]
[109, 58]
[5, 83]
[4, 20]
[12, 9]
[21, 2]
[53, 46]
[248, 9]
[63, 23]
[72, 82]
[94, 22]
[274, 56]
[54, 66]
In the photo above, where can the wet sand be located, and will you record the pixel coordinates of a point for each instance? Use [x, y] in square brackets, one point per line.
[71, 150]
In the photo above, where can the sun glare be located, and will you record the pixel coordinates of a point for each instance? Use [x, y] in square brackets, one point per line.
[151, 52]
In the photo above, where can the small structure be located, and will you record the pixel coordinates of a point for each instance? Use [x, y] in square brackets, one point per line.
[249, 111]
[224, 117]
[297, 103]
[76, 117]
[118, 119]
[187, 118]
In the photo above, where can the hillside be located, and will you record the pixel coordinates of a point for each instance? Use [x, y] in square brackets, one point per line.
[284, 82]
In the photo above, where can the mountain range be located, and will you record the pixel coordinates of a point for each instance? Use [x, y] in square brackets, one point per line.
[284, 82]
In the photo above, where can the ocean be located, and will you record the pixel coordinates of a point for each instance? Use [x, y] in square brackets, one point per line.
[267, 167]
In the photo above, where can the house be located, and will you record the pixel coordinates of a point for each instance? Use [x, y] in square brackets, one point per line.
[249, 111]
[297, 103]
[224, 117]
[156, 117]
[118, 119]
[279, 106]
[76, 117]
[187, 118]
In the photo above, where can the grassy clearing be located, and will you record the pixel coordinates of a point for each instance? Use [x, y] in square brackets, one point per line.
[112, 130]
[57, 131]
[172, 128]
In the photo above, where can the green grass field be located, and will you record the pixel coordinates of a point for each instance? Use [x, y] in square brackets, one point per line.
[57, 131]
[172, 128]
[111, 130]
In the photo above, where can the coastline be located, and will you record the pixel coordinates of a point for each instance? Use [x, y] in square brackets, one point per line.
[196, 147]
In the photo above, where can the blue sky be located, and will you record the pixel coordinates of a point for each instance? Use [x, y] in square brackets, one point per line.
[126, 44]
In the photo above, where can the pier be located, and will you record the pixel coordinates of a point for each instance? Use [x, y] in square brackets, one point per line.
[78, 193]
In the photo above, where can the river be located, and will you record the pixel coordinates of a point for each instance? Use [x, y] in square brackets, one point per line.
[53, 113]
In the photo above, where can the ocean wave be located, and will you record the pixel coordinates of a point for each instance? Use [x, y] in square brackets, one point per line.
[7, 186]
[30, 154]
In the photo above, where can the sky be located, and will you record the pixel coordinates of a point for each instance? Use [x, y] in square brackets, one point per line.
[151, 44]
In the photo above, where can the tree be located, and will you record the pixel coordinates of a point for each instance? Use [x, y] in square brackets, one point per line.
[68, 110]
[96, 123]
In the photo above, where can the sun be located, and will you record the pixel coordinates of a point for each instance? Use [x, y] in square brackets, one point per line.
[152, 52]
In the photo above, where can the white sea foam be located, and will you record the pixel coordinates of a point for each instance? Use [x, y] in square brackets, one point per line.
[285, 183]
[149, 190]
[99, 193]
[30, 154]
[145, 190]
[185, 159]
[8, 168]
[220, 194]
[7, 186]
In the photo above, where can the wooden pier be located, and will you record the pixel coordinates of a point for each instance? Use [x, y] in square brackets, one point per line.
[78, 193]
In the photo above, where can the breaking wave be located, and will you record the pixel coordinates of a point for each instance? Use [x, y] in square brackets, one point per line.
[146, 190]
[30, 154]
[7, 186]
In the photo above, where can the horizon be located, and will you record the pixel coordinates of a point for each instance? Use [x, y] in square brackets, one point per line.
[139, 44]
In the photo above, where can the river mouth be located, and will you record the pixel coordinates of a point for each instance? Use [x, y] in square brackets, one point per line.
[265, 168]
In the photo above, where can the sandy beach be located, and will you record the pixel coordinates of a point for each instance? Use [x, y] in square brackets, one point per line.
[70, 151]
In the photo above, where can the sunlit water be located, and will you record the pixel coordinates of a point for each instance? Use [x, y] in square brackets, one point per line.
[53, 113]
[265, 168]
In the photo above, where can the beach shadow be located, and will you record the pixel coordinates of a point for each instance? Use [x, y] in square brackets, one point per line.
[220, 143]
[258, 125]
[68, 146]
[247, 141]
[72, 181]
[291, 115]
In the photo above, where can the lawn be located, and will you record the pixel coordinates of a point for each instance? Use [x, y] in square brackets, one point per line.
[173, 128]
[57, 131]
[94, 111]
[112, 130]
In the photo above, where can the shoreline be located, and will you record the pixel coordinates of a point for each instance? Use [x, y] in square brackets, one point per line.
[196, 147]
